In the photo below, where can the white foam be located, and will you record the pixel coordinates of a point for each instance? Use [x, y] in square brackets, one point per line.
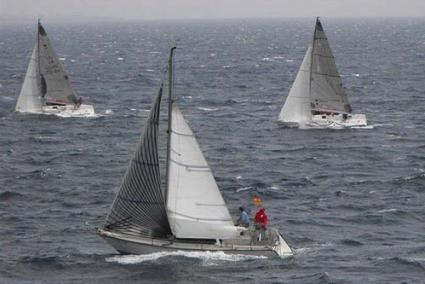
[243, 189]
[364, 127]
[66, 115]
[109, 111]
[62, 58]
[207, 109]
[207, 257]
[387, 210]
[267, 59]
[120, 58]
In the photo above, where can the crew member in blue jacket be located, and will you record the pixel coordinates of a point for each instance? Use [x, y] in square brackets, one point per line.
[243, 218]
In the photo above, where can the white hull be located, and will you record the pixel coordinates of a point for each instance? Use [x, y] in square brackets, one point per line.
[336, 121]
[129, 244]
[69, 110]
[66, 111]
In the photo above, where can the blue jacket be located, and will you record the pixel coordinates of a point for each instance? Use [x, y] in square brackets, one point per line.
[244, 219]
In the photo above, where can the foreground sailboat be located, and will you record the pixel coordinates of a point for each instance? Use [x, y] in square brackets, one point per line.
[317, 98]
[190, 213]
[46, 88]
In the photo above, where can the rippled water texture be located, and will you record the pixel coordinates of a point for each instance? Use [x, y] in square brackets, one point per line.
[349, 202]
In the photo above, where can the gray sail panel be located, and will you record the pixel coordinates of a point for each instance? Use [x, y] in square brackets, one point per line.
[326, 89]
[54, 80]
[139, 207]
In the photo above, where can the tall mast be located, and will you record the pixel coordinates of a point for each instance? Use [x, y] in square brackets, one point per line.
[170, 106]
[312, 56]
[38, 51]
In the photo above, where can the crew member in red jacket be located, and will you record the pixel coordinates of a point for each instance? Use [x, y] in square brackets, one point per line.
[261, 218]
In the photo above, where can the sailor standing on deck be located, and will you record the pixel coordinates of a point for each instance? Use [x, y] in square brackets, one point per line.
[261, 219]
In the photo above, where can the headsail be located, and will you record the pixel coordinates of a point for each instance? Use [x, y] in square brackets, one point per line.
[29, 99]
[139, 206]
[195, 206]
[55, 84]
[326, 89]
[297, 107]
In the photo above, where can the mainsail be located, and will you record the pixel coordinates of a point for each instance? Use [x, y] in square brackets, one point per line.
[139, 207]
[29, 99]
[326, 91]
[297, 106]
[195, 206]
[54, 82]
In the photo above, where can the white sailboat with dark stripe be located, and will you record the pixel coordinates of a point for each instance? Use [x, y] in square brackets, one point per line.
[46, 88]
[190, 213]
[317, 97]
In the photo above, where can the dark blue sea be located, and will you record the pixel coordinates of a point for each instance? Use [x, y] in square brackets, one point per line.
[351, 203]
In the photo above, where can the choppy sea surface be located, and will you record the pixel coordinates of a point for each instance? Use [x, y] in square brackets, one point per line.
[351, 203]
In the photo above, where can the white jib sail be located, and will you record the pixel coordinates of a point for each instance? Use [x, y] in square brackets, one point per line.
[29, 99]
[195, 206]
[58, 86]
[297, 107]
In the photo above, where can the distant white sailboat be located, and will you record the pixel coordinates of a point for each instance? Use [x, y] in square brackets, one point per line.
[46, 88]
[190, 213]
[317, 98]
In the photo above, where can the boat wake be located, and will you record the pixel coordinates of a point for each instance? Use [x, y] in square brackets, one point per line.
[66, 115]
[207, 257]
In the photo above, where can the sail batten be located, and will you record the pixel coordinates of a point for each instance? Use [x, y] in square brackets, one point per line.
[140, 201]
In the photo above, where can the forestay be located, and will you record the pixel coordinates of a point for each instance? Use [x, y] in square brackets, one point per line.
[195, 206]
[297, 106]
[326, 89]
[139, 207]
[29, 99]
[55, 83]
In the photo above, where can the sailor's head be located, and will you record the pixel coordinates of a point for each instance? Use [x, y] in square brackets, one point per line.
[241, 209]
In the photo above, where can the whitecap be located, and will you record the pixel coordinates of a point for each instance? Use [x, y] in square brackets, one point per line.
[289, 60]
[387, 210]
[243, 188]
[62, 58]
[239, 177]
[109, 111]
[267, 59]
[120, 58]
[207, 109]
[207, 257]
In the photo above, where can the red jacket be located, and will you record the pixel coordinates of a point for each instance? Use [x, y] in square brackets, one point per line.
[261, 217]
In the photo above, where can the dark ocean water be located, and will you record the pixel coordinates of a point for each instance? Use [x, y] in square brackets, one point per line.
[349, 202]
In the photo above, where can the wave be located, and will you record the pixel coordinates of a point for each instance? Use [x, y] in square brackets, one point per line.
[9, 195]
[207, 257]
